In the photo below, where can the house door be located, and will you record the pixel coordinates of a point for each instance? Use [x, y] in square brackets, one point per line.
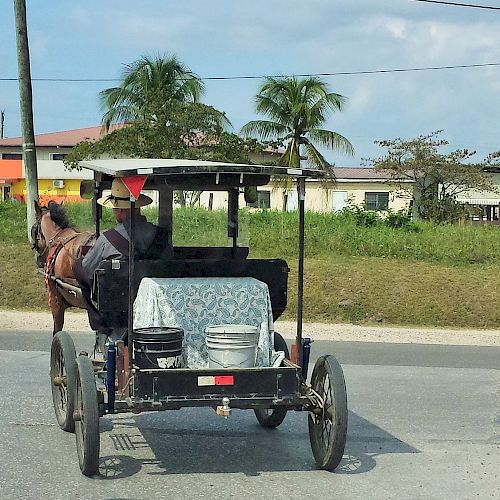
[5, 193]
[339, 200]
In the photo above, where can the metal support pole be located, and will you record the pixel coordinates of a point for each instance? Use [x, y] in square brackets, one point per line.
[232, 223]
[96, 208]
[301, 192]
[130, 280]
[110, 376]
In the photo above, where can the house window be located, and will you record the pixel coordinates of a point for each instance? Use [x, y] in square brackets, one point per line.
[12, 156]
[263, 200]
[58, 156]
[377, 201]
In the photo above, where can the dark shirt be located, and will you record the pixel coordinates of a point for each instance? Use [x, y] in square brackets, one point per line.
[103, 249]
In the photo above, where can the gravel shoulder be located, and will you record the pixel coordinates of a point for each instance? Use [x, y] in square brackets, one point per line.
[77, 321]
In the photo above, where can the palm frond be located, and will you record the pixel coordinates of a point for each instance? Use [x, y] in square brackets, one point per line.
[148, 86]
[314, 157]
[332, 140]
[291, 156]
[264, 130]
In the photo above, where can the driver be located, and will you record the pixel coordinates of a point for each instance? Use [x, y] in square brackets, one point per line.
[113, 244]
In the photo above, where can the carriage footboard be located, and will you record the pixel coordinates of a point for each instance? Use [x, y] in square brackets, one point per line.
[245, 388]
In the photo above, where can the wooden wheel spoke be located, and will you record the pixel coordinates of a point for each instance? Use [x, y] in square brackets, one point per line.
[328, 421]
[62, 362]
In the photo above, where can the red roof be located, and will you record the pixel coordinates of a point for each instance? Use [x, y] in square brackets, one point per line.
[67, 138]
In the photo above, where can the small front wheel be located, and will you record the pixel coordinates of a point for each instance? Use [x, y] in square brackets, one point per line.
[86, 417]
[328, 423]
[273, 417]
[62, 379]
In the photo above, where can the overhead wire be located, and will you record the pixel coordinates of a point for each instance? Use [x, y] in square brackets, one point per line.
[258, 77]
[459, 4]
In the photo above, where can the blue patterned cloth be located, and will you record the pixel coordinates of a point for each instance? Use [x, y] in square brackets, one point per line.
[195, 303]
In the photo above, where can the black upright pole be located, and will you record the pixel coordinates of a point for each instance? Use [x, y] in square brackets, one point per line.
[96, 208]
[233, 218]
[301, 191]
[130, 280]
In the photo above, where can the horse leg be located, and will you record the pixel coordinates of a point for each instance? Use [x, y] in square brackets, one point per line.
[58, 307]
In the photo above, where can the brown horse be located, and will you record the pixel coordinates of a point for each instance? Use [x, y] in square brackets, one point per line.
[57, 246]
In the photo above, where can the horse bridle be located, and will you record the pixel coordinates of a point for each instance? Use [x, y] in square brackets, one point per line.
[37, 236]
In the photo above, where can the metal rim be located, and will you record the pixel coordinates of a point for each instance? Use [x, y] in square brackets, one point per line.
[80, 422]
[62, 378]
[59, 382]
[328, 417]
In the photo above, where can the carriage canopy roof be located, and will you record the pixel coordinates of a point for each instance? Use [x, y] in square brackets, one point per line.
[165, 167]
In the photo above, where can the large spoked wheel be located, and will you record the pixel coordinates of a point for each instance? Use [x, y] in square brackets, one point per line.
[86, 417]
[62, 379]
[273, 417]
[328, 425]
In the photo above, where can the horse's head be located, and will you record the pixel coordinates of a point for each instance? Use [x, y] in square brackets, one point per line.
[50, 220]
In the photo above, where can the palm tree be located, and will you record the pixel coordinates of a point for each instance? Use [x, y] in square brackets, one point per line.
[149, 88]
[297, 108]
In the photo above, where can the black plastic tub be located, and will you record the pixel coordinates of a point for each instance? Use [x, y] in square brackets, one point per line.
[158, 347]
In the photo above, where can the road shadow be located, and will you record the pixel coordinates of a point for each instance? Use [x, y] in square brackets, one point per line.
[365, 442]
[196, 441]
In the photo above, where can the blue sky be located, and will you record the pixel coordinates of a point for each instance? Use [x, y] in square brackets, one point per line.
[93, 39]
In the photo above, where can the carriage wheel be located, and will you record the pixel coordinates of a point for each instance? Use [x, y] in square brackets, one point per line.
[86, 417]
[328, 425]
[62, 378]
[272, 417]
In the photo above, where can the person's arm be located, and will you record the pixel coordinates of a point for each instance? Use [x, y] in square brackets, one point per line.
[94, 256]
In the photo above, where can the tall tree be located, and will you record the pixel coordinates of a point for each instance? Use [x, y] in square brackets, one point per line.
[149, 88]
[431, 178]
[297, 109]
[158, 100]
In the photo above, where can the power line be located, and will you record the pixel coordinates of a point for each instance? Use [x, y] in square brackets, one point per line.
[258, 77]
[458, 4]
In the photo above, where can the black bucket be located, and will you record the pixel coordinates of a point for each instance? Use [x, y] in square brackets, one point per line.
[158, 347]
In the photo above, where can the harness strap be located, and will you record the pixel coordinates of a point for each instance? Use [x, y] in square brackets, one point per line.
[155, 249]
[49, 269]
[118, 241]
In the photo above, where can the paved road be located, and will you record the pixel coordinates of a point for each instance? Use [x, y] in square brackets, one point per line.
[354, 353]
[424, 423]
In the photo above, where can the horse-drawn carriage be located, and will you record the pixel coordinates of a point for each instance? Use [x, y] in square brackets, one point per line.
[198, 326]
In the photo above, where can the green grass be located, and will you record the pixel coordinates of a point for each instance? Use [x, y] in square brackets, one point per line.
[432, 276]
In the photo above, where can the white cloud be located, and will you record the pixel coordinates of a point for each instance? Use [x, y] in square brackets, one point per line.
[397, 28]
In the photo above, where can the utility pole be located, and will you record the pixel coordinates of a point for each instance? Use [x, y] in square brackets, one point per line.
[25, 96]
[2, 121]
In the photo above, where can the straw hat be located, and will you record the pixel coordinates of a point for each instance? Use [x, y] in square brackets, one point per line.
[120, 197]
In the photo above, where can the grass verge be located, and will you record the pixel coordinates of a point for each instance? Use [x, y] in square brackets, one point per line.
[445, 276]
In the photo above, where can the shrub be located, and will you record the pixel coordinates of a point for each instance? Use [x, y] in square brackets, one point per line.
[400, 220]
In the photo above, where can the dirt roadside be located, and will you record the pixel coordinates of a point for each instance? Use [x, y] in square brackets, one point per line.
[77, 321]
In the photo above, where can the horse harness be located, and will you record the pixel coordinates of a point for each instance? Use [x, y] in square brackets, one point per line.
[54, 246]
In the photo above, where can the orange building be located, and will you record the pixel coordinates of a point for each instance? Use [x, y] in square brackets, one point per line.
[11, 175]
[55, 182]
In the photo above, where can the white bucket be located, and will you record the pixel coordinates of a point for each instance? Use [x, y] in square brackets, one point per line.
[231, 346]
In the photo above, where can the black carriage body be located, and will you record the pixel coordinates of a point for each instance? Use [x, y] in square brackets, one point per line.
[270, 391]
[116, 284]
[244, 388]
[111, 280]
